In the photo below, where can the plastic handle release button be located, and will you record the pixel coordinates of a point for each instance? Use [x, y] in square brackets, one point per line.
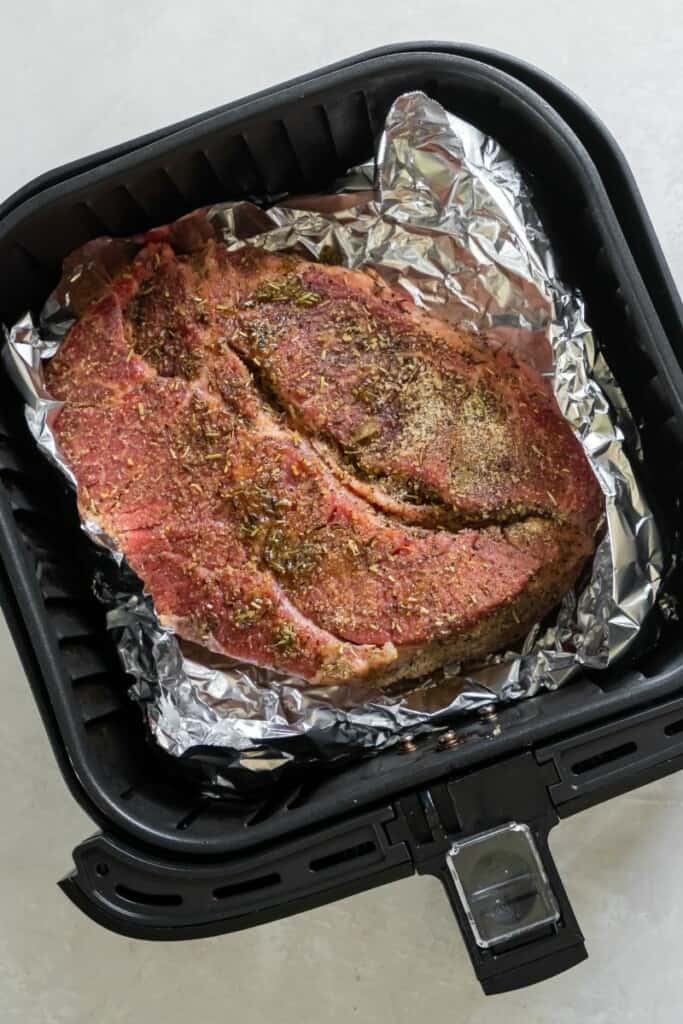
[502, 885]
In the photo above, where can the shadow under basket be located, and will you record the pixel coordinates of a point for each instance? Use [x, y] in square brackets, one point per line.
[173, 862]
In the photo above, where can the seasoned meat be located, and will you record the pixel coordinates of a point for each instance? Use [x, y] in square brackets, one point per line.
[311, 474]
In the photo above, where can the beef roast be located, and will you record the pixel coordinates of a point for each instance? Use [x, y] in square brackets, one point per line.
[310, 473]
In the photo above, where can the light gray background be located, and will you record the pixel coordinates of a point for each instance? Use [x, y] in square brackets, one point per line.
[80, 76]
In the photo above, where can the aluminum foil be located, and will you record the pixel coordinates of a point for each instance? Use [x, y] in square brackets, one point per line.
[445, 214]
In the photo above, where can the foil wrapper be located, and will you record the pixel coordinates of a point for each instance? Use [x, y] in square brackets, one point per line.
[445, 214]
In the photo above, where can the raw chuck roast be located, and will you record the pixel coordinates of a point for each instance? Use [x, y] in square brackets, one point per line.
[310, 473]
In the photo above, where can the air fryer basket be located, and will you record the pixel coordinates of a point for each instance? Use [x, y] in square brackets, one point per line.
[329, 833]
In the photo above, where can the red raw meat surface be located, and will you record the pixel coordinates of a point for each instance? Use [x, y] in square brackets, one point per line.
[311, 474]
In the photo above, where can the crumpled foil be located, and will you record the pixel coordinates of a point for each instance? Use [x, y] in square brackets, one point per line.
[445, 214]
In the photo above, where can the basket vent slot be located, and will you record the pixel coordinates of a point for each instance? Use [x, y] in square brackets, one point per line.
[149, 899]
[192, 815]
[604, 757]
[225, 892]
[303, 793]
[331, 860]
[281, 800]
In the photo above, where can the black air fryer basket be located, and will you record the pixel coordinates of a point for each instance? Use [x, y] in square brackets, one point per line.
[171, 863]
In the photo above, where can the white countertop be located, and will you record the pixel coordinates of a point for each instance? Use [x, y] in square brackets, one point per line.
[80, 76]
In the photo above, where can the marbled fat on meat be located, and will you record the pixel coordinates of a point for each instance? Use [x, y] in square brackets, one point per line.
[311, 474]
